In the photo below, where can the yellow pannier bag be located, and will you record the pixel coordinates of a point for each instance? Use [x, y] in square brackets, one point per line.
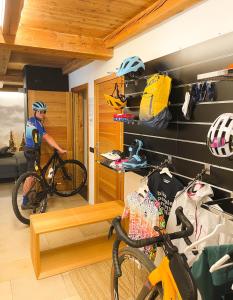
[155, 96]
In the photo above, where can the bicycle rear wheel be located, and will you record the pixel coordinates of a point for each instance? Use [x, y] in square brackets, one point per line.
[35, 192]
[69, 178]
[135, 268]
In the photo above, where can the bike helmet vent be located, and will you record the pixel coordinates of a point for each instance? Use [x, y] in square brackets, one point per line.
[129, 65]
[39, 106]
[220, 136]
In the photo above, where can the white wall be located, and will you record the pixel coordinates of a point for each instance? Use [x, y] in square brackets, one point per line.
[202, 22]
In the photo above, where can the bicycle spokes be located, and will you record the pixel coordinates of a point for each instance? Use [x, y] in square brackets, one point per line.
[32, 190]
[69, 178]
[133, 278]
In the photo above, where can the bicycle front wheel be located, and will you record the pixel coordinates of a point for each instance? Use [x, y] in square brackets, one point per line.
[136, 267]
[31, 185]
[69, 178]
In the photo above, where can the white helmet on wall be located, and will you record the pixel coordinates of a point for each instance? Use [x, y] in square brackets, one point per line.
[220, 136]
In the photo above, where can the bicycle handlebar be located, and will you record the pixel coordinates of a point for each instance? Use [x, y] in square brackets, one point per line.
[121, 235]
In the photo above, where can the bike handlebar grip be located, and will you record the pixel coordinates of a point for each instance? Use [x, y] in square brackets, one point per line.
[115, 258]
[188, 227]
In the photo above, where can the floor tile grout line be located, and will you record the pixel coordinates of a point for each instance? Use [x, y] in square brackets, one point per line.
[11, 285]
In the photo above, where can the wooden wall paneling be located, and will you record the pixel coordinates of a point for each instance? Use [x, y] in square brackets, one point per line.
[80, 94]
[78, 130]
[109, 187]
[78, 135]
[58, 121]
[70, 126]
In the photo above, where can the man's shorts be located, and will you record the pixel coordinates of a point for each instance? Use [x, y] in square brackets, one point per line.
[32, 156]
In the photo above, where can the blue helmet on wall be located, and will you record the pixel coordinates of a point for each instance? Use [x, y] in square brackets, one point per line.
[39, 106]
[130, 64]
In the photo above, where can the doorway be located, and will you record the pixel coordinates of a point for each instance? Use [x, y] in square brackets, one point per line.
[80, 104]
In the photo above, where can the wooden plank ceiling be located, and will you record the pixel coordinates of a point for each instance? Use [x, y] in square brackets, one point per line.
[70, 34]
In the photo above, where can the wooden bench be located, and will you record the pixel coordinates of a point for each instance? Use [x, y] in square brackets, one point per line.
[54, 261]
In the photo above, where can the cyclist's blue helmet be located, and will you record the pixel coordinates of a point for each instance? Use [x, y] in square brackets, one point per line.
[130, 64]
[39, 106]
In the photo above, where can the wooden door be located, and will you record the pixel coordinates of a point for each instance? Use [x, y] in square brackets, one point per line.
[78, 108]
[108, 136]
[78, 126]
[58, 122]
[81, 126]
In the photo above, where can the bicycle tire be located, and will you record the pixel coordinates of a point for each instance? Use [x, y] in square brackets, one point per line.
[125, 254]
[15, 191]
[83, 180]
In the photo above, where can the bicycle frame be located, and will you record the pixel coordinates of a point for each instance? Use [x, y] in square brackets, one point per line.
[65, 178]
[42, 171]
[163, 239]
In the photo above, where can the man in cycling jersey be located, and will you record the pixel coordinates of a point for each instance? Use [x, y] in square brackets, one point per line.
[35, 133]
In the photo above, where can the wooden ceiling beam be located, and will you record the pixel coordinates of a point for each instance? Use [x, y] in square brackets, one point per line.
[19, 59]
[12, 16]
[31, 40]
[12, 79]
[4, 60]
[9, 88]
[153, 15]
[75, 64]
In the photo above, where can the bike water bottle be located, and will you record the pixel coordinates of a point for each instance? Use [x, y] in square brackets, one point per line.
[50, 173]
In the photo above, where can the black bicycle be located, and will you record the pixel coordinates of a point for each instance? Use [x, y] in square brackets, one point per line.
[61, 177]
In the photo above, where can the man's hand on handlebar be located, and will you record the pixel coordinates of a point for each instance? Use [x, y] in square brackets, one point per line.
[62, 151]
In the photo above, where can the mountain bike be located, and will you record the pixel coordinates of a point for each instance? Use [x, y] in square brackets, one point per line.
[134, 275]
[61, 177]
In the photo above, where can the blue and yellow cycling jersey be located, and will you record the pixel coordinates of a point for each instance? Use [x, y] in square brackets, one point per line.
[34, 133]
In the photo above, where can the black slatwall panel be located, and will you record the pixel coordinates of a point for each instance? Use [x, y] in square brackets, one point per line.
[203, 113]
[185, 140]
[174, 130]
[189, 151]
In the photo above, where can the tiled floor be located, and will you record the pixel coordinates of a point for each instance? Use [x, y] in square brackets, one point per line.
[17, 279]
